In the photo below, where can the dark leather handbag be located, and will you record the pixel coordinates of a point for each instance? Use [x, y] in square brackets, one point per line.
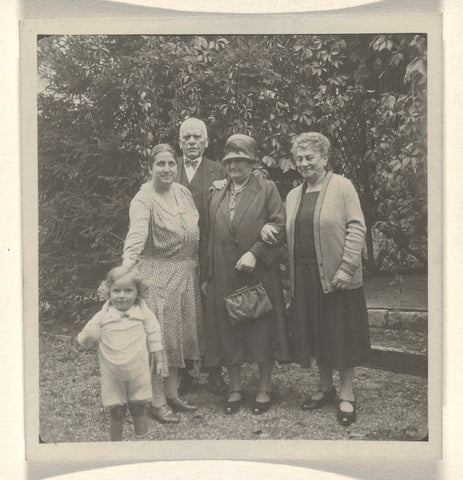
[247, 304]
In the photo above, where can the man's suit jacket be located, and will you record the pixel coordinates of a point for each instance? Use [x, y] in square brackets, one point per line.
[207, 173]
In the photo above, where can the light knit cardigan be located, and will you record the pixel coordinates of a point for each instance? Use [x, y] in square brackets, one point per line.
[339, 231]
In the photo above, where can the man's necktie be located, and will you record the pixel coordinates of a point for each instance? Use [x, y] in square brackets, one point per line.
[191, 163]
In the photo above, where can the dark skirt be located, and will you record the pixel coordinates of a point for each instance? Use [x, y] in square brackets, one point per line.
[261, 340]
[332, 328]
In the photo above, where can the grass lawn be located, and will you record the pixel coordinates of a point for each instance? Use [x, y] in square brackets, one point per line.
[391, 406]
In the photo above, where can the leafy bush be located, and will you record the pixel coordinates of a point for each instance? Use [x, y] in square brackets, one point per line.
[105, 100]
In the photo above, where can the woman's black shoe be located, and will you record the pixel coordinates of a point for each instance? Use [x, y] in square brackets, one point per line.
[346, 418]
[233, 406]
[261, 407]
[178, 405]
[311, 404]
[164, 414]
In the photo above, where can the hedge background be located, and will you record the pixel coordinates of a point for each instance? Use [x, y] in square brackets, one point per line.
[104, 101]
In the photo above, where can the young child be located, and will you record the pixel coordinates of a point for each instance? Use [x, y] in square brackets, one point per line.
[125, 329]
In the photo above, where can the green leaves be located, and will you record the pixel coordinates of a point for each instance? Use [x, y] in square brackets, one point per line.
[382, 42]
[105, 101]
[416, 69]
[388, 100]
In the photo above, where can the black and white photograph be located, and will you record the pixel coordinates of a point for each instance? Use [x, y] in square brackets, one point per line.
[233, 235]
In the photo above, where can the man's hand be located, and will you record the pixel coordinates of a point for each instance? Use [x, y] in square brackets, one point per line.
[246, 263]
[219, 184]
[341, 280]
[269, 234]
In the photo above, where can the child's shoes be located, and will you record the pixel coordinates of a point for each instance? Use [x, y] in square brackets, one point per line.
[143, 437]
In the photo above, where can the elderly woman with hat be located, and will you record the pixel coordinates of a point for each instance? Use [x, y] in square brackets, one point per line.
[237, 257]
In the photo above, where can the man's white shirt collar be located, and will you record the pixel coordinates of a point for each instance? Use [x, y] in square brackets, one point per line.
[189, 170]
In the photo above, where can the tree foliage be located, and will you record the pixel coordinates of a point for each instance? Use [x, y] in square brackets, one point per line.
[106, 100]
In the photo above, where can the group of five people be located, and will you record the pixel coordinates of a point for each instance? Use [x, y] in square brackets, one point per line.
[200, 230]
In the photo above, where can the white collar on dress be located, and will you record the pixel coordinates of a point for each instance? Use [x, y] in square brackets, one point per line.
[135, 312]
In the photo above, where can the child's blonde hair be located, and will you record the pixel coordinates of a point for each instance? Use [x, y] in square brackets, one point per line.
[116, 274]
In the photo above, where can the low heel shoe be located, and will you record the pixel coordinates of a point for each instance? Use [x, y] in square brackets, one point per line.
[327, 397]
[178, 405]
[346, 418]
[233, 406]
[164, 415]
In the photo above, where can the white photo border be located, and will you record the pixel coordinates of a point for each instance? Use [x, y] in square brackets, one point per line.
[261, 450]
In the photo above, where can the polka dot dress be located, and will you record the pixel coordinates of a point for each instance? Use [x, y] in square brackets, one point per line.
[171, 270]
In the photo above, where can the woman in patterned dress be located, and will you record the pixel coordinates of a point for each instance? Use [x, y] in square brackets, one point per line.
[162, 242]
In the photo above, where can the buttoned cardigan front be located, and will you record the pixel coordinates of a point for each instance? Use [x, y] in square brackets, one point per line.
[339, 230]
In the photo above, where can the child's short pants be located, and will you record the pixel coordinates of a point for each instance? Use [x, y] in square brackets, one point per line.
[119, 392]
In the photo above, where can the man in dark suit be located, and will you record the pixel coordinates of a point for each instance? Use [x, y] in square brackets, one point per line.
[198, 173]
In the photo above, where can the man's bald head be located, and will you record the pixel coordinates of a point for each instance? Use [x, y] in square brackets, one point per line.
[193, 123]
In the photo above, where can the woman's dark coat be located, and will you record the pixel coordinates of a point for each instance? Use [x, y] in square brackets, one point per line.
[264, 339]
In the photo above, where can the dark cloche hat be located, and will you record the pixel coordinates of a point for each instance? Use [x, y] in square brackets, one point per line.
[240, 146]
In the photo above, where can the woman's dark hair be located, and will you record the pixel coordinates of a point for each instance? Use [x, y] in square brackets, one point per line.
[159, 148]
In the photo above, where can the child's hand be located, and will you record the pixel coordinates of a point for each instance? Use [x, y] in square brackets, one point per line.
[86, 343]
[157, 365]
[161, 370]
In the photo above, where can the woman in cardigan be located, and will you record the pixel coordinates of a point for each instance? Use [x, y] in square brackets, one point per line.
[237, 256]
[325, 234]
[163, 242]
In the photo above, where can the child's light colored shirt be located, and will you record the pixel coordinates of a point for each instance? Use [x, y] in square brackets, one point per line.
[124, 339]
